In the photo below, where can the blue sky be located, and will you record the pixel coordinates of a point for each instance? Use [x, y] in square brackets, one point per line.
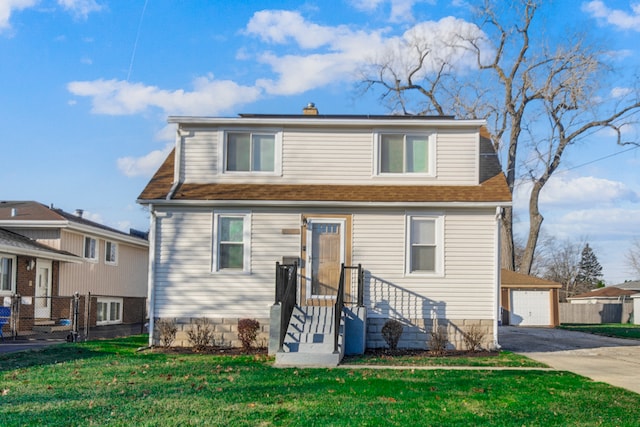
[86, 86]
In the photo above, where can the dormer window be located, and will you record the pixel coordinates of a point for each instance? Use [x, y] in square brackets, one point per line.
[251, 152]
[401, 154]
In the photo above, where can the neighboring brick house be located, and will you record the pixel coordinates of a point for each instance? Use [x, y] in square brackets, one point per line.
[415, 201]
[109, 265]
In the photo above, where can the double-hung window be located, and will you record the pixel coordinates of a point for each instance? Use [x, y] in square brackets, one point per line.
[7, 274]
[90, 248]
[111, 253]
[254, 152]
[109, 311]
[425, 251]
[232, 232]
[400, 153]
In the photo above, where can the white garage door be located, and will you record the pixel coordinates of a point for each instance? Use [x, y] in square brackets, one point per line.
[530, 308]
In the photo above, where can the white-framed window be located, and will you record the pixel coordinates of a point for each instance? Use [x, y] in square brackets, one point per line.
[111, 253]
[109, 311]
[231, 242]
[251, 152]
[425, 245]
[7, 274]
[405, 153]
[90, 248]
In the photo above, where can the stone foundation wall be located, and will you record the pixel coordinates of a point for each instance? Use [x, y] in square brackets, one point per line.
[417, 333]
[225, 331]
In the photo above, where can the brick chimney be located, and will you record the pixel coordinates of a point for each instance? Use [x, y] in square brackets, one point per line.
[310, 110]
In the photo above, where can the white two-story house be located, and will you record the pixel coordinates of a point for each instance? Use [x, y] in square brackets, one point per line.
[414, 201]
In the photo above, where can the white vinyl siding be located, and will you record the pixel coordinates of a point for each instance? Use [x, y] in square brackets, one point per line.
[183, 264]
[184, 259]
[344, 156]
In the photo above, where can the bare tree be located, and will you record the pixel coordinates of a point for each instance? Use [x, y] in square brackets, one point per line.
[537, 100]
[633, 257]
[559, 261]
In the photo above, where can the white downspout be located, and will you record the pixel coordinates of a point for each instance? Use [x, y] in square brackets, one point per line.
[497, 276]
[180, 133]
[152, 269]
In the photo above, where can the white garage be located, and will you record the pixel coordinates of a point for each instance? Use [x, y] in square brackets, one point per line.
[528, 300]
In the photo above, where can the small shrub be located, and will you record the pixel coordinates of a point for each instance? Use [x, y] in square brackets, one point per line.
[201, 334]
[248, 332]
[167, 330]
[391, 332]
[473, 338]
[439, 339]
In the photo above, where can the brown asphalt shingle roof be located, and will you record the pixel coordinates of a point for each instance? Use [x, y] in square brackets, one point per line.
[494, 189]
[512, 279]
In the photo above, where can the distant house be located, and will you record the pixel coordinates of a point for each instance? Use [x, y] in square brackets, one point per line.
[29, 269]
[415, 202]
[528, 300]
[82, 256]
[606, 295]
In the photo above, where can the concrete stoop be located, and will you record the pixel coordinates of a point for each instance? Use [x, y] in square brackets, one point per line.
[310, 339]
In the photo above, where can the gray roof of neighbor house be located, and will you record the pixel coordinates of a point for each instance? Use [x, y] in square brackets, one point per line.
[17, 244]
[23, 214]
[634, 285]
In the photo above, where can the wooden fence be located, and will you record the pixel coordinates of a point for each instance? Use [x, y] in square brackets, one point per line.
[596, 313]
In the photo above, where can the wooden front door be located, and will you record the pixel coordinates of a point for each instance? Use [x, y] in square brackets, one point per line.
[325, 247]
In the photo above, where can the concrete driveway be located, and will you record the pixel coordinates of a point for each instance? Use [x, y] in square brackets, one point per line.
[611, 360]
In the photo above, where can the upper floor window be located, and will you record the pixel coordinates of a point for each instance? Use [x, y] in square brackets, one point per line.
[399, 153]
[7, 280]
[90, 248]
[250, 152]
[232, 241]
[110, 252]
[425, 243]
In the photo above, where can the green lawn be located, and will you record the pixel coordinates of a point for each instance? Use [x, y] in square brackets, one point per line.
[620, 330]
[504, 359]
[109, 383]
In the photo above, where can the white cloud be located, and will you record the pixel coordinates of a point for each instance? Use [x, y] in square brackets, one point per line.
[7, 7]
[620, 92]
[401, 10]
[618, 18]
[80, 8]
[119, 97]
[145, 165]
[577, 193]
[338, 52]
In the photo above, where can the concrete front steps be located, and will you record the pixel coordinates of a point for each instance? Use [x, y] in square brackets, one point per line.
[310, 339]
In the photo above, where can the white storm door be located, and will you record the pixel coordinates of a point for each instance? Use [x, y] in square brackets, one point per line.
[42, 303]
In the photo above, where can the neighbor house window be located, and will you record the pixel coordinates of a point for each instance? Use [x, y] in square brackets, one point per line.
[110, 253]
[232, 241]
[405, 154]
[90, 248]
[424, 245]
[250, 152]
[7, 280]
[109, 311]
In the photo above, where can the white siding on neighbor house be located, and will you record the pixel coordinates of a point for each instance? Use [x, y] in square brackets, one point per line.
[465, 291]
[128, 278]
[185, 285]
[315, 156]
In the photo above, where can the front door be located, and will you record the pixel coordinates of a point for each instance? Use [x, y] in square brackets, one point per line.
[42, 303]
[326, 250]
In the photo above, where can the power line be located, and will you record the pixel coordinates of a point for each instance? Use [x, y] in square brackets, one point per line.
[599, 159]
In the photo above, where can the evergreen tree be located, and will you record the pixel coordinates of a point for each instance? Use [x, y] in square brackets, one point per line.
[589, 270]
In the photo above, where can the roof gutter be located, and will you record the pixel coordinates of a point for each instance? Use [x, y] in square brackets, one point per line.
[40, 254]
[315, 203]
